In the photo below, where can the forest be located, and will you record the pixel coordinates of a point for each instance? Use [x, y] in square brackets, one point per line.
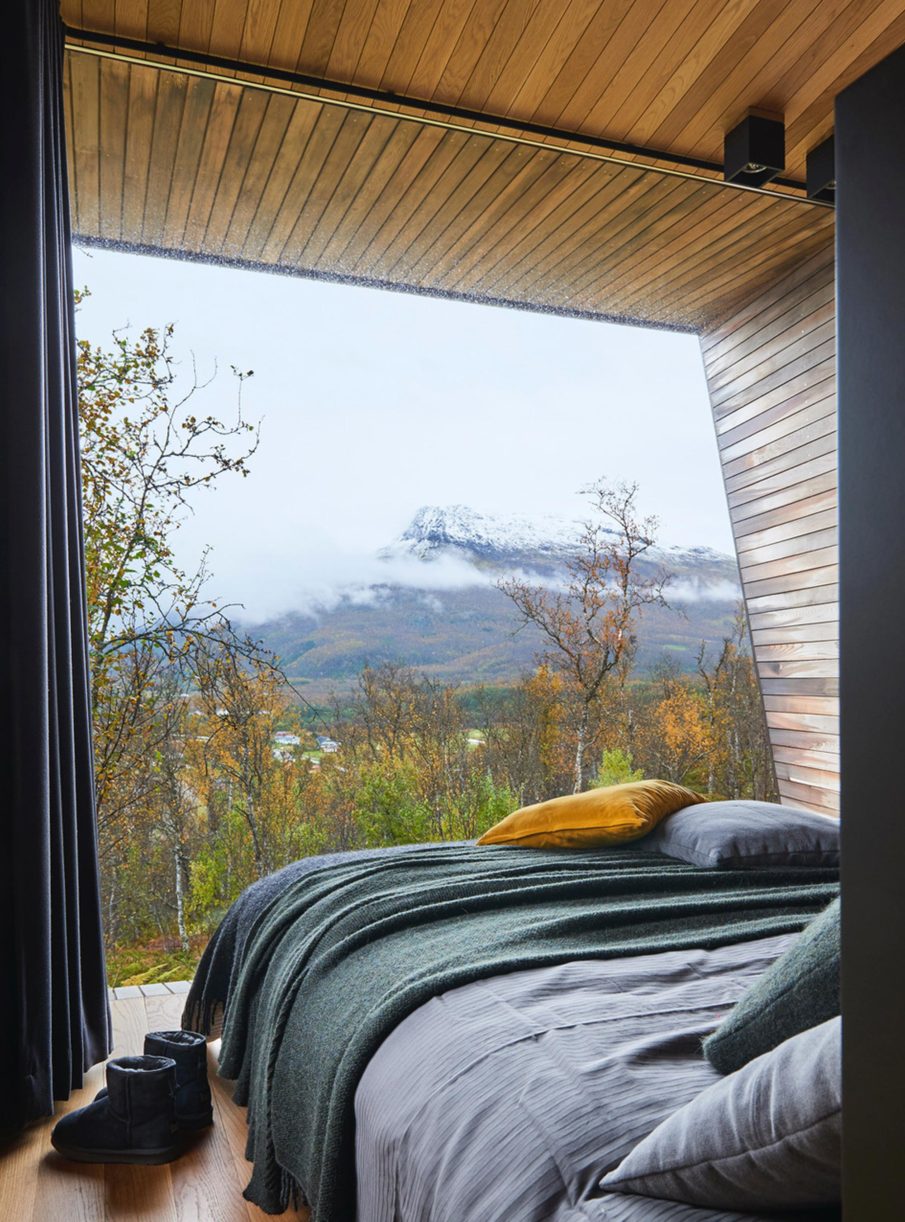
[210, 768]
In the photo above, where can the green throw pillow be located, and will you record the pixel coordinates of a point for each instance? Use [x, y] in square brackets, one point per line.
[800, 990]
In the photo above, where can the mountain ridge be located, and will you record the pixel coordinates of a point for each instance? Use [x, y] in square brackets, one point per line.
[461, 628]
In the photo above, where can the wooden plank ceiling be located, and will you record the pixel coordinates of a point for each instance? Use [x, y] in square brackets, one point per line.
[212, 167]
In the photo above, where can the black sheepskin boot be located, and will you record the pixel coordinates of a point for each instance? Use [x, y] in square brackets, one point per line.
[133, 1122]
[188, 1049]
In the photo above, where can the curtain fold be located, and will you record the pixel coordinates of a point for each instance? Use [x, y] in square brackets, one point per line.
[54, 1016]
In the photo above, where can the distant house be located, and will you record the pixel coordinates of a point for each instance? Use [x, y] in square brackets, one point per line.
[284, 743]
[326, 744]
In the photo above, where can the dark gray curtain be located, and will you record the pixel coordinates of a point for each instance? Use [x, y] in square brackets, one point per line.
[54, 1019]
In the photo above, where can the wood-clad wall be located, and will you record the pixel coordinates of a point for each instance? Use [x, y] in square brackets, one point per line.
[771, 375]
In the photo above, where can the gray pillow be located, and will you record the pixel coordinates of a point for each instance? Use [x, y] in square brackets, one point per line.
[746, 835]
[768, 1137]
[798, 991]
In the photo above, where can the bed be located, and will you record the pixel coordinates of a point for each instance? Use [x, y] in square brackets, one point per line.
[440, 1033]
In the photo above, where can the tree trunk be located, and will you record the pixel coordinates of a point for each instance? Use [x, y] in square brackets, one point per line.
[251, 820]
[110, 931]
[180, 899]
[581, 744]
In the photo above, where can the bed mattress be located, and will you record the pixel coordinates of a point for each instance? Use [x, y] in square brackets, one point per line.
[506, 1100]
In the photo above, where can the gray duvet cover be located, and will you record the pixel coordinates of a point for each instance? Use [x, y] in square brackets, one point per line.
[505, 1100]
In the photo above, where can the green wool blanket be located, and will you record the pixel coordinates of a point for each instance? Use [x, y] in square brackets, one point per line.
[345, 952]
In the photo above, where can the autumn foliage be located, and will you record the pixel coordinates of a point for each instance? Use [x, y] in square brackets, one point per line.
[209, 772]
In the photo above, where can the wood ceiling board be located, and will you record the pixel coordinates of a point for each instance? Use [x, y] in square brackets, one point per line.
[406, 152]
[326, 189]
[709, 265]
[245, 129]
[199, 98]
[467, 208]
[113, 114]
[143, 84]
[550, 34]
[444, 172]
[83, 81]
[327, 123]
[269, 140]
[669, 74]
[718, 98]
[224, 110]
[490, 253]
[270, 208]
[535, 183]
[585, 204]
[632, 236]
[753, 265]
[165, 18]
[245, 174]
[452, 203]
[350, 199]
[688, 231]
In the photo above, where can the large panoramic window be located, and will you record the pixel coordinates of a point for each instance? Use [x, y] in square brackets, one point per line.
[367, 568]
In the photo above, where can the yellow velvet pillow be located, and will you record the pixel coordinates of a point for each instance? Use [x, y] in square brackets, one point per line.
[596, 817]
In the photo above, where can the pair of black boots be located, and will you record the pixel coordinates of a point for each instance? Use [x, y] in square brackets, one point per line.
[149, 1104]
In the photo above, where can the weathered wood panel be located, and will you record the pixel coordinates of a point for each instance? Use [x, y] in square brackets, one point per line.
[771, 374]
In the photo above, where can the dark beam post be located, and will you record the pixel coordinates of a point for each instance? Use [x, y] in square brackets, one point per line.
[870, 168]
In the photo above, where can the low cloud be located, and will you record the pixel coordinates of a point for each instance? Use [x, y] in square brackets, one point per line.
[360, 580]
[699, 591]
[368, 580]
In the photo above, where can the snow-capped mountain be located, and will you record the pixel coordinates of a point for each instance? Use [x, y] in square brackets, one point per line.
[435, 529]
[532, 542]
[436, 604]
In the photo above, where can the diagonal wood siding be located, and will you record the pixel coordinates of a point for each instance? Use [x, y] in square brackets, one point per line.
[772, 380]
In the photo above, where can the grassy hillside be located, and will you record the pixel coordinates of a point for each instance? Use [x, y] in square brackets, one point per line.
[465, 636]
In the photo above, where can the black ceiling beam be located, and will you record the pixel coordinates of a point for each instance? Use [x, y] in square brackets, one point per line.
[386, 97]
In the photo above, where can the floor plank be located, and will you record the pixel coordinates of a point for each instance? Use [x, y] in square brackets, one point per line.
[204, 1185]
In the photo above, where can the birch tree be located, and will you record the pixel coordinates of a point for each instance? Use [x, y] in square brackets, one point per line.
[589, 623]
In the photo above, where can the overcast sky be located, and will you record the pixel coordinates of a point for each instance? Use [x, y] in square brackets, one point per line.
[373, 404]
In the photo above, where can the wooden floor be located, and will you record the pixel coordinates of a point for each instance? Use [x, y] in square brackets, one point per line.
[204, 1185]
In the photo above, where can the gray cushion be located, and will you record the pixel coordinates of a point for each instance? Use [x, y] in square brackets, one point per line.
[767, 1137]
[798, 991]
[746, 835]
